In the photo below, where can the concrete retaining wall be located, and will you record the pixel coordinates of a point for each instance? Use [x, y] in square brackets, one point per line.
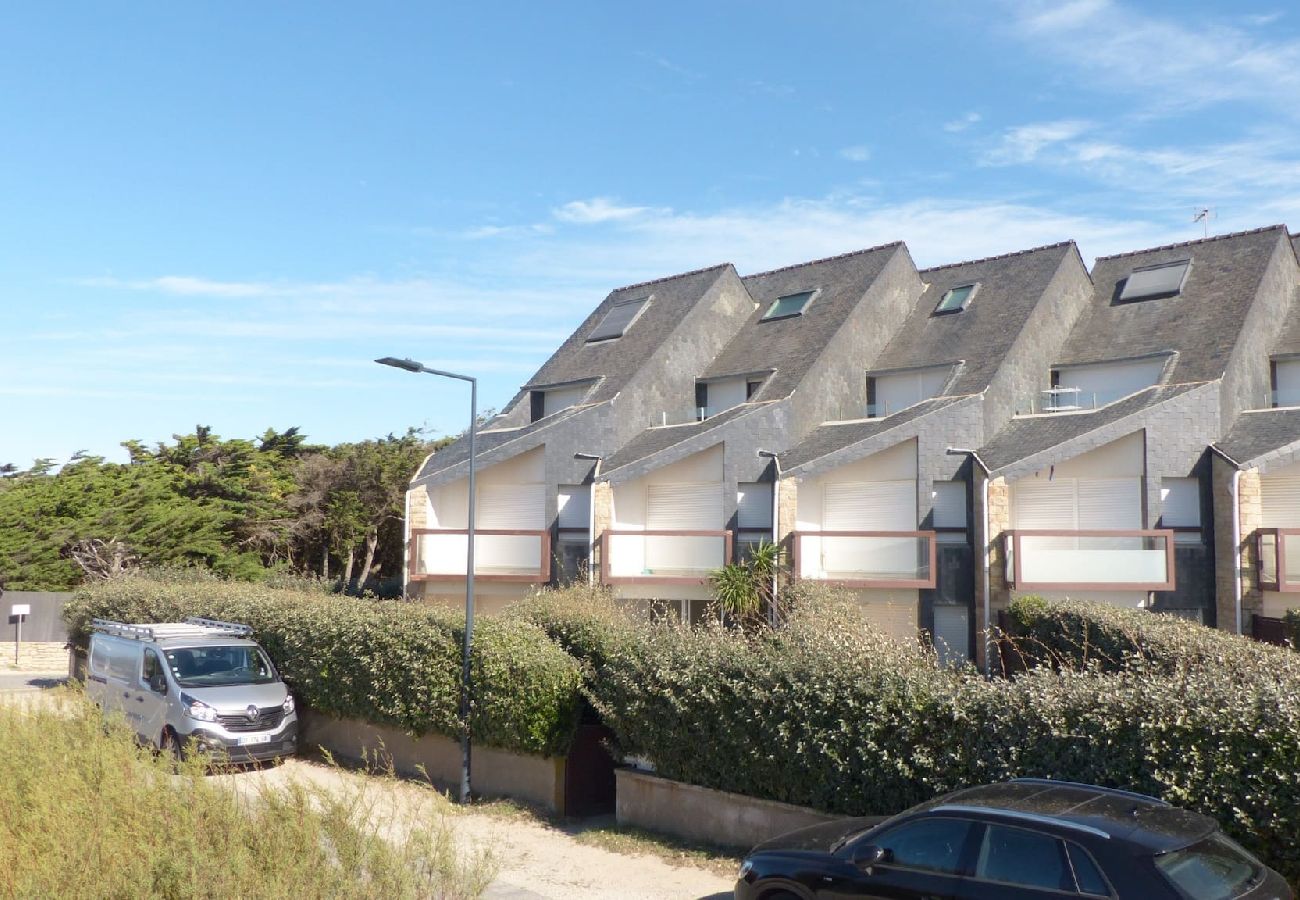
[493, 772]
[702, 814]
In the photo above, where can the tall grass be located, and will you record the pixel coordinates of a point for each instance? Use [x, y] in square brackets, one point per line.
[84, 812]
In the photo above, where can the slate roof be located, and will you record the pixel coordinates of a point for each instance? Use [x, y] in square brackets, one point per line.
[656, 440]
[487, 442]
[792, 345]
[1259, 432]
[615, 361]
[982, 334]
[1202, 323]
[1289, 341]
[1025, 436]
[833, 436]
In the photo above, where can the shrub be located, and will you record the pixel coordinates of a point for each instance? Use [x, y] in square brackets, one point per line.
[88, 813]
[388, 662]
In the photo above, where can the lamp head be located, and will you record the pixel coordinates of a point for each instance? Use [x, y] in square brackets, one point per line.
[409, 365]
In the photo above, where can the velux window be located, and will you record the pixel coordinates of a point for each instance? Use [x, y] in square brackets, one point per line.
[1164, 280]
[789, 305]
[955, 299]
[618, 320]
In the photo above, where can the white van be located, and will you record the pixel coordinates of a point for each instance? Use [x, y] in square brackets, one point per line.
[195, 686]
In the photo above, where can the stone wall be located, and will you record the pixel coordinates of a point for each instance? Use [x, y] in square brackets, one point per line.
[1226, 575]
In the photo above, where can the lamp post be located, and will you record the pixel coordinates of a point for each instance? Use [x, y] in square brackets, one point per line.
[411, 365]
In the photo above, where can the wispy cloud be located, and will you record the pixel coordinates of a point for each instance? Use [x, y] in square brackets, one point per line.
[668, 65]
[1170, 62]
[961, 123]
[858, 153]
[595, 211]
[1023, 143]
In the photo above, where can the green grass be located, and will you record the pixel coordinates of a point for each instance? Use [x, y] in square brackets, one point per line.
[84, 812]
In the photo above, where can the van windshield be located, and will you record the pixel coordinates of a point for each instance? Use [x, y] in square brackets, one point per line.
[219, 666]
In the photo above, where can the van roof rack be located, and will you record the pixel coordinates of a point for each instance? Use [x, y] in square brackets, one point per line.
[193, 627]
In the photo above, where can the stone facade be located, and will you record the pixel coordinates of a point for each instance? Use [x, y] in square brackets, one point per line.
[1227, 576]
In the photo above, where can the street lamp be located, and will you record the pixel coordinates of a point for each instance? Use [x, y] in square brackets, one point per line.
[411, 365]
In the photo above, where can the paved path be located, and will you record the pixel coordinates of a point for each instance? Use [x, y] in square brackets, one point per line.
[30, 681]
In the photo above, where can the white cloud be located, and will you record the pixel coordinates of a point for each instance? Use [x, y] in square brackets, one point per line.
[1171, 62]
[858, 153]
[1023, 143]
[596, 210]
[963, 122]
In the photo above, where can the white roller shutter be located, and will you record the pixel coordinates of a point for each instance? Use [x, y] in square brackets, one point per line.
[562, 398]
[1280, 501]
[683, 507]
[1180, 502]
[949, 504]
[511, 506]
[1287, 374]
[574, 506]
[870, 506]
[754, 505]
[1109, 503]
[903, 389]
[1109, 382]
[1045, 504]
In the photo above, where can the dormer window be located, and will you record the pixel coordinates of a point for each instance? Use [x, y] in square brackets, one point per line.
[956, 299]
[1098, 384]
[549, 401]
[788, 306]
[618, 320]
[720, 395]
[1148, 282]
[891, 392]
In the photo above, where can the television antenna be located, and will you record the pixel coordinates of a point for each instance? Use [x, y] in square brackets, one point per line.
[1204, 214]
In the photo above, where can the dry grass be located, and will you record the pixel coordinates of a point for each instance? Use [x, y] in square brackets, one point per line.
[84, 812]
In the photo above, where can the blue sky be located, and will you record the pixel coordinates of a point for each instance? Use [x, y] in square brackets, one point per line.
[220, 213]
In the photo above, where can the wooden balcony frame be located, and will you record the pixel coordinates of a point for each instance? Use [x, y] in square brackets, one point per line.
[606, 578]
[926, 583]
[1015, 579]
[1279, 535]
[543, 575]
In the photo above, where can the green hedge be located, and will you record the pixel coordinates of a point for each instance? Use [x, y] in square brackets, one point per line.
[830, 713]
[387, 662]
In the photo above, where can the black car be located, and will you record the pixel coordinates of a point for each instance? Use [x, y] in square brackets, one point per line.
[1027, 838]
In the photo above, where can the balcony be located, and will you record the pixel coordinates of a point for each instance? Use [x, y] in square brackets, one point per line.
[1275, 547]
[438, 554]
[662, 557]
[1091, 560]
[867, 559]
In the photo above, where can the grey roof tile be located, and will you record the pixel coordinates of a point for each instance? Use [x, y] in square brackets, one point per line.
[616, 361]
[1202, 323]
[792, 345]
[1010, 286]
[1260, 432]
[488, 442]
[657, 440]
[833, 436]
[1028, 435]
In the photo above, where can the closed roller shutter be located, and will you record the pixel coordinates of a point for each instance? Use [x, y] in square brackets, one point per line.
[574, 506]
[1045, 504]
[870, 506]
[511, 506]
[1280, 500]
[949, 504]
[1287, 375]
[562, 398]
[754, 505]
[683, 507]
[1110, 503]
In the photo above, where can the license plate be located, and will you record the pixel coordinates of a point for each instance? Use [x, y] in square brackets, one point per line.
[255, 739]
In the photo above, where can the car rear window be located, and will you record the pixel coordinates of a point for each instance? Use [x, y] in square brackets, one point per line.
[1213, 869]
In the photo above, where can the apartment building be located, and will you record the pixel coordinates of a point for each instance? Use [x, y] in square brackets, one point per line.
[936, 441]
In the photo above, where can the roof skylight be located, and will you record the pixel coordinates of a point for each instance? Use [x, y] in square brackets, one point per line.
[1163, 280]
[618, 320]
[956, 299]
[789, 305]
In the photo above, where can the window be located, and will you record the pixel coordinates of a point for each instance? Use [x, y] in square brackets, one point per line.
[554, 400]
[1022, 857]
[1086, 872]
[618, 320]
[714, 397]
[752, 387]
[1216, 867]
[1180, 508]
[949, 504]
[1098, 384]
[888, 394]
[789, 305]
[956, 299]
[1286, 382]
[1164, 280]
[933, 845]
[574, 504]
[151, 668]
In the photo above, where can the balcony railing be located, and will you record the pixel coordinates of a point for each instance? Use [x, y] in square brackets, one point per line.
[1276, 549]
[499, 554]
[867, 559]
[662, 557]
[1091, 560]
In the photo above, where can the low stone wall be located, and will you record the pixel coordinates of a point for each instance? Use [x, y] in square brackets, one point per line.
[43, 657]
[493, 772]
[703, 814]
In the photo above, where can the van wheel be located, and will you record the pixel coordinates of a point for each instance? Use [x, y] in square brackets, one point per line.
[170, 745]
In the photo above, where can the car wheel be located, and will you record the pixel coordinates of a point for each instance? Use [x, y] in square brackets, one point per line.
[170, 746]
[781, 895]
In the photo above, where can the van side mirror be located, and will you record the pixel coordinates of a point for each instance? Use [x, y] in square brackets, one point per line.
[158, 683]
[869, 855]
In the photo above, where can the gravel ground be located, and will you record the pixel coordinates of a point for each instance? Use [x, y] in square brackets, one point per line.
[537, 860]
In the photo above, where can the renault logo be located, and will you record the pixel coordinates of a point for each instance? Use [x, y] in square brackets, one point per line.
[252, 713]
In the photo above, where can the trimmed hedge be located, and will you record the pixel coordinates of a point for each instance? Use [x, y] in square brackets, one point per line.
[387, 662]
[830, 713]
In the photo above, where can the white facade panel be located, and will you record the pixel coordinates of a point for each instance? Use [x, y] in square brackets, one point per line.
[949, 503]
[1107, 382]
[574, 506]
[754, 505]
[1287, 373]
[1180, 502]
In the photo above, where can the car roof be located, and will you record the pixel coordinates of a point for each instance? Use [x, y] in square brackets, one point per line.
[176, 641]
[1105, 813]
